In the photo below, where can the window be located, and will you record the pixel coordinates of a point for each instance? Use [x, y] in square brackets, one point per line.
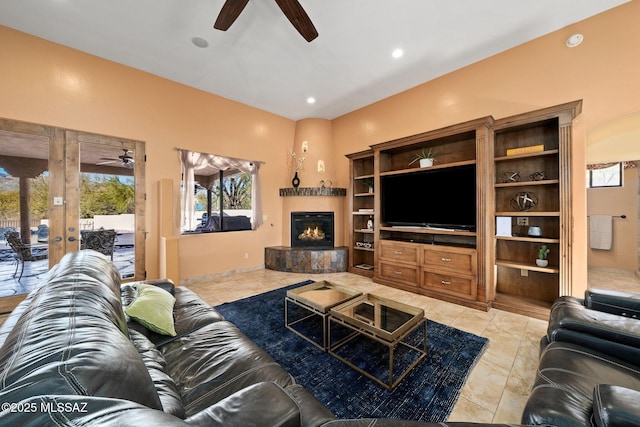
[606, 175]
[219, 193]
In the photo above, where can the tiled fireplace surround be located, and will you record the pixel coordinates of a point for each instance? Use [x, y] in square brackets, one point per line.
[311, 259]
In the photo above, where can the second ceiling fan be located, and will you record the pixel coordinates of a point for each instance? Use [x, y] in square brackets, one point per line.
[291, 9]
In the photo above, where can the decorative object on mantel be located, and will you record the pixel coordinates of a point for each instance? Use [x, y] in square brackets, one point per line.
[542, 260]
[296, 181]
[537, 176]
[511, 176]
[313, 191]
[524, 201]
[326, 183]
[425, 157]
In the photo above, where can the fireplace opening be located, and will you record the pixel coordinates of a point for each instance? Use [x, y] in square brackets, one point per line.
[312, 229]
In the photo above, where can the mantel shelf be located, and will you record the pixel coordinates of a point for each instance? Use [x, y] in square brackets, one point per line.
[313, 191]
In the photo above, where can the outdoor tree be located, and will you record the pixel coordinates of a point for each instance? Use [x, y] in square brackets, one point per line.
[9, 205]
[237, 191]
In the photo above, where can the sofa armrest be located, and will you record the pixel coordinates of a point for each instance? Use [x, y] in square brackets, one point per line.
[263, 404]
[615, 406]
[614, 302]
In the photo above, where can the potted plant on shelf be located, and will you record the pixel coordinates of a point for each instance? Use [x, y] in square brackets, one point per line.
[369, 183]
[542, 260]
[425, 157]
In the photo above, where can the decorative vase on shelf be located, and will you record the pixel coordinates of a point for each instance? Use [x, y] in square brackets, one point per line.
[426, 163]
[542, 262]
[295, 181]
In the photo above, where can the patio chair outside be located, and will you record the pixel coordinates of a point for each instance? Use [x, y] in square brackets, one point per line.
[102, 241]
[24, 252]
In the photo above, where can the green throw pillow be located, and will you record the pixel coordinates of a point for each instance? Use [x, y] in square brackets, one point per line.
[153, 309]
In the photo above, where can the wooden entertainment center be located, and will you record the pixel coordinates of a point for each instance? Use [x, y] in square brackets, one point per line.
[523, 181]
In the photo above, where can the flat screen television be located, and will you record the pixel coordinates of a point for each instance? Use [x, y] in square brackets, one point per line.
[440, 198]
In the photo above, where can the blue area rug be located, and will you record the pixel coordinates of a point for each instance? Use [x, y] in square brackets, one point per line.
[428, 393]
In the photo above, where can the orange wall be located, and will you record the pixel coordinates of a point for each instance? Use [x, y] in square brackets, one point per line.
[603, 71]
[617, 201]
[46, 83]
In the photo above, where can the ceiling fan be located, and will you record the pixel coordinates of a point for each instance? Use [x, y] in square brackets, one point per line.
[291, 8]
[124, 159]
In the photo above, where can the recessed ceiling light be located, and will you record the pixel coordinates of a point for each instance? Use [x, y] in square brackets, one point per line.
[397, 53]
[311, 100]
[200, 42]
[574, 40]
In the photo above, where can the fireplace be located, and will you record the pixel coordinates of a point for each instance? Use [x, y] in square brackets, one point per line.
[312, 229]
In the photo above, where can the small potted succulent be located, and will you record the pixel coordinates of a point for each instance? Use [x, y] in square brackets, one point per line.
[425, 157]
[369, 183]
[542, 260]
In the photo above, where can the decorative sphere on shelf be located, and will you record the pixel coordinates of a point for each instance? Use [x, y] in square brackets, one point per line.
[524, 201]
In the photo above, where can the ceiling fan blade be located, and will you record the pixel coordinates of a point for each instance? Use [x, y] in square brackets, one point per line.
[299, 18]
[107, 162]
[229, 13]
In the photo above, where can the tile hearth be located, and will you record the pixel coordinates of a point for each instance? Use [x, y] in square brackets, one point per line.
[306, 260]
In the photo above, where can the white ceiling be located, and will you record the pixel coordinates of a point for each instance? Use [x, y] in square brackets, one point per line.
[263, 62]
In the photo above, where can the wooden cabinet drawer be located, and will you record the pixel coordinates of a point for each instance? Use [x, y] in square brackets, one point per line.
[396, 251]
[401, 273]
[464, 286]
[459, 260]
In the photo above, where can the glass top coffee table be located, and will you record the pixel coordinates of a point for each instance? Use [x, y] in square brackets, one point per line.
[306, 309]
[380, 338]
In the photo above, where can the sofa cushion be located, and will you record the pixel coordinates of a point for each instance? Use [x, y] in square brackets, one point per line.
[155, 363]
[216, 361]
[260, 405]
[153, 308]
[615, 406]
[69, 339]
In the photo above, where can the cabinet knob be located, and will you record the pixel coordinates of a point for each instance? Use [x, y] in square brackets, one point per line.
[446, 259]
[399, 273]
[397, 252]
[445, 282]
